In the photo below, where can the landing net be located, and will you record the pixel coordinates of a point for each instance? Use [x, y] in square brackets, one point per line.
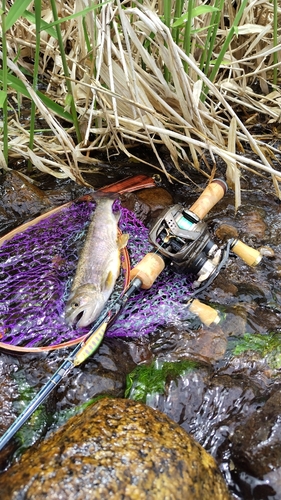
[36, 269]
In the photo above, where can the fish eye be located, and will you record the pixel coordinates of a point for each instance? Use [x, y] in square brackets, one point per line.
[75, 304]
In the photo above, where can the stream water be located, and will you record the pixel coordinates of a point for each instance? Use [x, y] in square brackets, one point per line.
[220, 383]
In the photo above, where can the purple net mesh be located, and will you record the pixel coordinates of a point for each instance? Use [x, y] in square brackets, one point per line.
[36, 270]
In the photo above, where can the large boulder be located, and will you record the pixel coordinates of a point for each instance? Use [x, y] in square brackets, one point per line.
[117, 449]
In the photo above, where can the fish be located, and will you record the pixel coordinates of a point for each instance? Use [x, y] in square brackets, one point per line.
[98, 266]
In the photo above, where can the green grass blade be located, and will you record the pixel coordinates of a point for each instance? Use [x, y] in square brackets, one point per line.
[167, 12]
[37, 7]
[3, 97]
[77, 14]
[178, 13]
[15, 83]
[43, 25]
[16, 11]
[197, 11]
[228, 39]
[187, 32]
[55, 107]
[20, 88]
[66, 72]
[167, 21]
[225, 47]
[211, 37]
[87, 39]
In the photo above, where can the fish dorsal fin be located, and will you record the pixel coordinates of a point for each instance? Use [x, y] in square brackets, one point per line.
[122, 240]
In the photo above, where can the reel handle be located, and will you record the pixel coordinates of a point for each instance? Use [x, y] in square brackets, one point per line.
[206, 314]
[250, 255]
[213, 193]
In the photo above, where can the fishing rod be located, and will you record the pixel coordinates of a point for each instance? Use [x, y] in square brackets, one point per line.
[181, 239]
[79, 354]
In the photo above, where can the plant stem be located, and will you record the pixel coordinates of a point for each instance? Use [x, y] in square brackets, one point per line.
[275, 40]
[37, 7]
[211, 37]
[167, 21]
[66, 72]
[224, 48]
[187, 33]
[178, 13]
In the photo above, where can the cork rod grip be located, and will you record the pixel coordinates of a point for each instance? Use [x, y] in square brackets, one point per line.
[148, 269]
[213, 193]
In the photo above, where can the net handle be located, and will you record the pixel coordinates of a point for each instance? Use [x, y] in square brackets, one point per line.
[129, 185]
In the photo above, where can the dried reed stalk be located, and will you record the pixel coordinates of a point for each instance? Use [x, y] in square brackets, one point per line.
[117, 58]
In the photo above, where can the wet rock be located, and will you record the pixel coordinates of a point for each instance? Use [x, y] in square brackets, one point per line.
[274, 227]
[116, 449]
[258, 317]
[20, 197]
[225, 285]
[206, 344]
[252, 223]
[157, 198]
[266, 251]
[210, 343]
[256, 444]
[274, 480]
[234, 322]
[225, 231]
[207, 406]
[251, 366]
[8, 390]
[140, 350]
[103, 373]
[5, 221]
[147, 203]
[132, 202]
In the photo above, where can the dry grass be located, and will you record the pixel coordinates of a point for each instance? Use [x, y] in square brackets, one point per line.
[122, 97]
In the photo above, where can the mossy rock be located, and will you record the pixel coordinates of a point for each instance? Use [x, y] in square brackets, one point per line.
[119, 449]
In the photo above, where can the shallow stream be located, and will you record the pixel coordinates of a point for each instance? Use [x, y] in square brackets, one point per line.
[220, 383]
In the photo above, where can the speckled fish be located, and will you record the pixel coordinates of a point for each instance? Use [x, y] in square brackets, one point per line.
[98, 266]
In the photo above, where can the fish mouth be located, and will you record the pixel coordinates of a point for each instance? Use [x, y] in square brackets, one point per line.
[76, 318]
[83, 306]
[82, 315]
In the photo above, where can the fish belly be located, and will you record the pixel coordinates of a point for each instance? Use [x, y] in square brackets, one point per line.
[100, 256]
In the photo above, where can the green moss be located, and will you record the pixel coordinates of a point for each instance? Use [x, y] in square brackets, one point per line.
[148, 379]
[273, 359]
[36, 426]
[263, 344]
[41, 419]
[62, 416]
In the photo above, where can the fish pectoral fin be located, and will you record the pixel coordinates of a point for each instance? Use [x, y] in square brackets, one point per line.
[109, 280]
[122, 240]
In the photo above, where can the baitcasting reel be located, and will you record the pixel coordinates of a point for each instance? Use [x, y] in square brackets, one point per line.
[181, 237]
